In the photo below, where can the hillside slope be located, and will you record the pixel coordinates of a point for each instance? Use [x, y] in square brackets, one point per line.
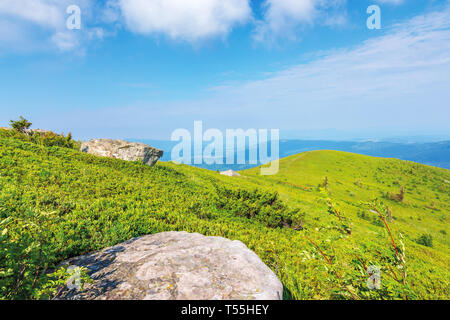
[57, 203]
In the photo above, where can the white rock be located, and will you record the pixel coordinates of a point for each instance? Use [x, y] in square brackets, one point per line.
[177, 265]
[230, 173]
[120, 149]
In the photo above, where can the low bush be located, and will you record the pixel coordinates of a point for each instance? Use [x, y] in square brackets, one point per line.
[425, 240]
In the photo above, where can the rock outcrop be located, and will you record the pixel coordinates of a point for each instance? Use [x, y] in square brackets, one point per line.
[120, 149]
[230, 173]
[179, 266]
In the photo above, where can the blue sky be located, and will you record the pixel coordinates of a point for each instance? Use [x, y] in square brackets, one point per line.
[311, 68]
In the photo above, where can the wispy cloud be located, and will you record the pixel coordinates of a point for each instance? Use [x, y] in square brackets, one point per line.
[45, 13]
[397, 80]
[283, 18]
[40, 25]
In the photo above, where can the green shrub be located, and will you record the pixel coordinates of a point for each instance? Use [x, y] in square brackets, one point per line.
[20, 125]
[47, 138]
[425, 240]
[24, 252]
[263, 206]
[50, 139]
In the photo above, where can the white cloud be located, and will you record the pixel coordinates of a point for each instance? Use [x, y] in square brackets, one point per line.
[42, 12]
[40, 25]
[283, 17]
[187, 20]
[65, 41]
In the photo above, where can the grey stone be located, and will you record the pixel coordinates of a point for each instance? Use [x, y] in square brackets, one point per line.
[176, 266]
[120, 149]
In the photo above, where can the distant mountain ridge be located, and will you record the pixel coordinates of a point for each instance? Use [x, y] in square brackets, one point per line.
[435, 154]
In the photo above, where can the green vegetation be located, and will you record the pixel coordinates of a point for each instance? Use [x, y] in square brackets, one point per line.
[426, 240]
[45, 138]
[20, 125]
[319, 224]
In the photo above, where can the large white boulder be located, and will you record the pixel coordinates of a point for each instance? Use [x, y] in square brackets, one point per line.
[176, 265]
[120, 149]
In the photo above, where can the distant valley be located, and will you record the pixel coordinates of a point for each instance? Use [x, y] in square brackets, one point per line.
[435, 154]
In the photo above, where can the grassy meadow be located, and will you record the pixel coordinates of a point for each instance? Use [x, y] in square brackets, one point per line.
[318, 224]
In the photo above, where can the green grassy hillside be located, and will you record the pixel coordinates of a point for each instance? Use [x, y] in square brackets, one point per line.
[57, 202]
